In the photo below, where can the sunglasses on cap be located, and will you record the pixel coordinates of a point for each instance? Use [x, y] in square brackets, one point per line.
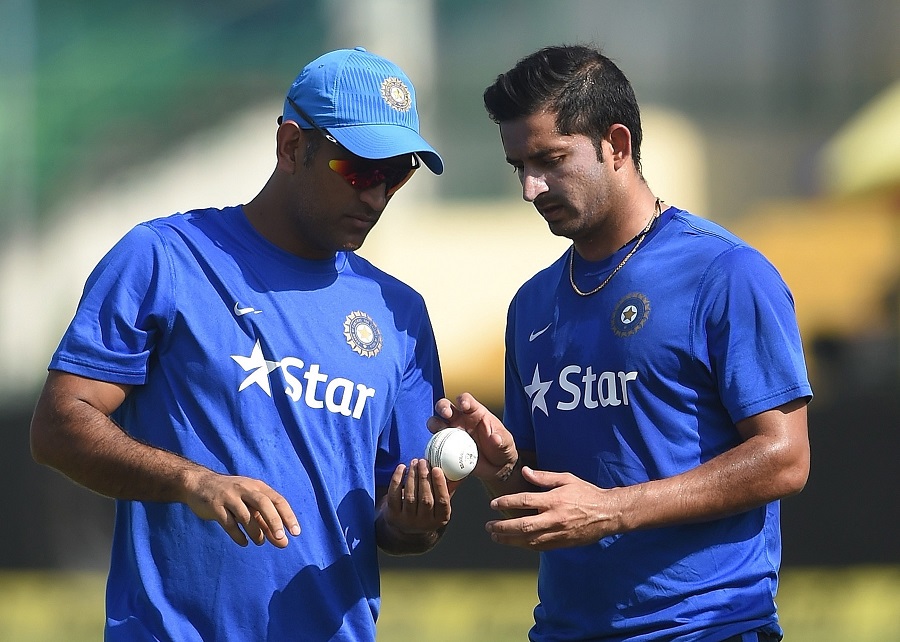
[363, 173]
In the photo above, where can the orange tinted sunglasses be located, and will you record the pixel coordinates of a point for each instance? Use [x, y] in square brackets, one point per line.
[363, 173]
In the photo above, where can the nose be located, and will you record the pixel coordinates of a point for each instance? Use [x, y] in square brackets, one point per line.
[533, 186]
[375, 197]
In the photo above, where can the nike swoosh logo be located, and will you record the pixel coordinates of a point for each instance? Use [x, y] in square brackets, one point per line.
[536, 333]
[238, 310]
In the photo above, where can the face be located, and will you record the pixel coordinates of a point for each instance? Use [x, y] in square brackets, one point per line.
[560, 174]
[337, 198]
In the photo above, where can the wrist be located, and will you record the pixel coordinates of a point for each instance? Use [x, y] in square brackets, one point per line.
[395, 541]
[506, 471]
[187, 482]
[501, 475]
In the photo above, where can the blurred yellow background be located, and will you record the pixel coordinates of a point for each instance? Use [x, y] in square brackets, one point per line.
[815, 605]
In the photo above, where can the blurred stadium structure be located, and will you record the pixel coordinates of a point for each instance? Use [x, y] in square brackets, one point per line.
[780, 120]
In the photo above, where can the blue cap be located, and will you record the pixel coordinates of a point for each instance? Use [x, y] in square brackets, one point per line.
[365, 101]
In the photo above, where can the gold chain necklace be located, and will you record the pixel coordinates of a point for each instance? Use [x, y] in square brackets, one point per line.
[656, 213]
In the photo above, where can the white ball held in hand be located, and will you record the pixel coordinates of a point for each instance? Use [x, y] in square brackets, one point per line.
[454, 451]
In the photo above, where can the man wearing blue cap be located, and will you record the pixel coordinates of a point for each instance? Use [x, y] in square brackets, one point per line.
[240, 374]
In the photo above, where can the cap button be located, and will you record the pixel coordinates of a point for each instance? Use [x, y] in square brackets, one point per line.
[359, 48]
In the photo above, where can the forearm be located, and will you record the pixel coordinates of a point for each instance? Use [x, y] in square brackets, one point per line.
[771, 461]
[72, 432]
[84, 444]
[752, 474]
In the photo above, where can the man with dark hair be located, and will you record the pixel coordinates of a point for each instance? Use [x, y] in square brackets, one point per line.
[219, 355]
[656, 388]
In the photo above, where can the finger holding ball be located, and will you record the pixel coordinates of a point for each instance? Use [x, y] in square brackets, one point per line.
[453, 451]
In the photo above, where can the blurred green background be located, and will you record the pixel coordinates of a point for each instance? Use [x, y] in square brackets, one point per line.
[779, 119]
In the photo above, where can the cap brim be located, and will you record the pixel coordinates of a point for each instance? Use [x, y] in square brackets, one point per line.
[384, 141]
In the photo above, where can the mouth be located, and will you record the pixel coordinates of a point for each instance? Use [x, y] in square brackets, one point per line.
[364, 219]
[551, 211]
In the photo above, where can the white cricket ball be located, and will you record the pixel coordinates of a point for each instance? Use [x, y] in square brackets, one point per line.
[454, 451]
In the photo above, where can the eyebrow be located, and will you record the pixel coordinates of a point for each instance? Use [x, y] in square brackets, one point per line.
[540, 154]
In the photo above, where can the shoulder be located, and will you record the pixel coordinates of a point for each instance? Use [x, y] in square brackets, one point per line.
[704, 242]
[189, 222]
[687, 224]
[391, 286]
[150, 242]
[161, 235]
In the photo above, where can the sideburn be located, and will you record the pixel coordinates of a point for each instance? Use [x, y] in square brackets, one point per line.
[312, 147]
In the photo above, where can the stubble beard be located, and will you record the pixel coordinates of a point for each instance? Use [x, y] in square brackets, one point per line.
[570, 227]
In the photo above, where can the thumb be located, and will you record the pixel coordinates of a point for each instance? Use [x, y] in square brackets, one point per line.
[543, 478]
[506, 447]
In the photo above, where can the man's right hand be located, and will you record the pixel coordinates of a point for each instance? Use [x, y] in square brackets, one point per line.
[497, 454]
[241, 505]
[72, 432]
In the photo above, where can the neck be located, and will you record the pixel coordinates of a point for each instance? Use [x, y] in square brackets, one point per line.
[268, 214]
[259, 214]
[631, 221]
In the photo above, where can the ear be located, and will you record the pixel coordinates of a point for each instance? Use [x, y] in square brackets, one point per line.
[619, 138]
[289, 139]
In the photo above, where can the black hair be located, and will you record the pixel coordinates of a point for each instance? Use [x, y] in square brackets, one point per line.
[585, 89]
[313, 144]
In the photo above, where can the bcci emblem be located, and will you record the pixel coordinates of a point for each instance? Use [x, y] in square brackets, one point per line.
[362, 334]
[396, 94]
[630, 314]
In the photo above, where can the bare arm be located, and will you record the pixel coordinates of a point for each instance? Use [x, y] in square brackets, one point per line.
[71, 431]
[771, 462]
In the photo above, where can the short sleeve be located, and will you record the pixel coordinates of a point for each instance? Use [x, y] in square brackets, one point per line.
[125, 309]
[746, 329]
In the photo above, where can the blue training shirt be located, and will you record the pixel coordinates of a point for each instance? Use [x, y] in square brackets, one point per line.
[645, 380]
[316, 377]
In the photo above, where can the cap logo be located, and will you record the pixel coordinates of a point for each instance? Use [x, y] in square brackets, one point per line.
[396, 94]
